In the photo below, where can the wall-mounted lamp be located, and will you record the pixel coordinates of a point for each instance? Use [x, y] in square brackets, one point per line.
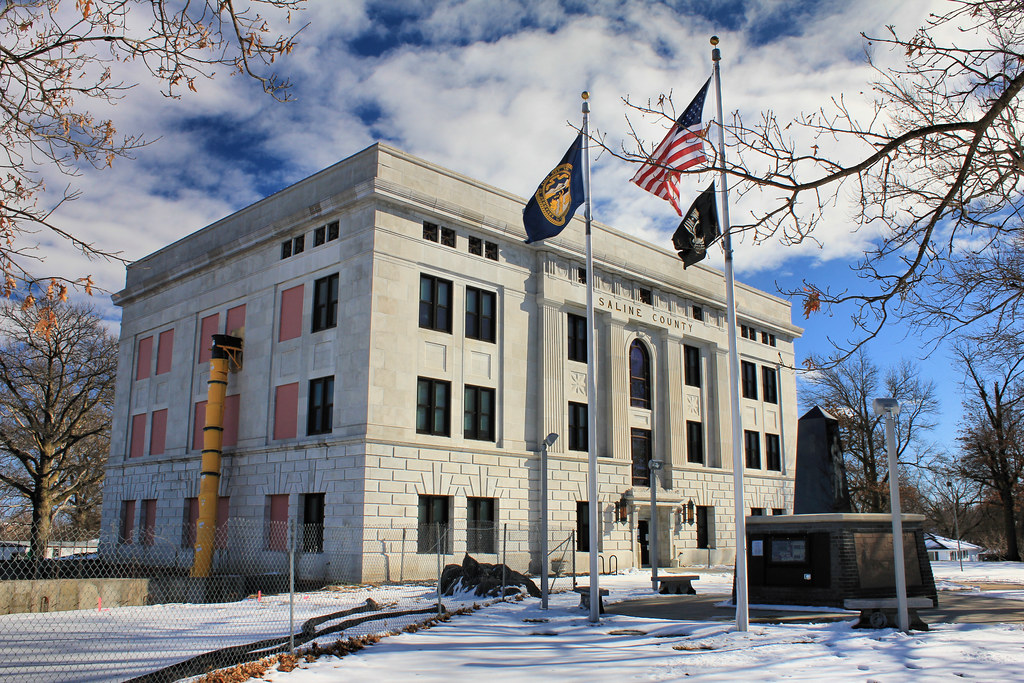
[690, 512]
[622, 510]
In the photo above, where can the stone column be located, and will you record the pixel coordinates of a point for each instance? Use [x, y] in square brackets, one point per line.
[615, 410]
[552, 407]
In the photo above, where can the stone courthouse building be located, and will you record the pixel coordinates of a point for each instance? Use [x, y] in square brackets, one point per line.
[405, 354]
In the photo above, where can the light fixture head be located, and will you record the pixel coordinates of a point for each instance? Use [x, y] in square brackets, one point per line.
[886, 405]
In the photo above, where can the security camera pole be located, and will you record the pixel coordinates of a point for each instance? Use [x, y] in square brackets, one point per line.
[549, 440]
[890, 407]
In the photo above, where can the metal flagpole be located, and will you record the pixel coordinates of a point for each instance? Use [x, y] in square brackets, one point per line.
[595, 594]
[742, 611]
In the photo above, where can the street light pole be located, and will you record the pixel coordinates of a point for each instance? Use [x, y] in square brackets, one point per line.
[890, 407]
[549, 440]
[956, 522]
[655, 468]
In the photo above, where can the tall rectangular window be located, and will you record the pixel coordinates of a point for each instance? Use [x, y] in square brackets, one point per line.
[276, 511]
[235, 323]
[291, 314]
[480, 314]
[640, 449]
[433, 401]
[476, 246]
[691, 366]
[144, 358]
[286, 409]
[319, 235]
[749, 373]
[126, 533]
[229, 437]
[433, 531]
[577, 338]
[435, 303]
[481, 525]
[582, 526]
[188, 523]
[772, 452]
[208, 327]
[147, 522]
[321, 406]
[198, 425]
[478, 411]
[157, 432]
[333, 230]
[138, 438]
[752, 447]
[697, 313]
[228, 424]
[430, 231]
[313, 523]
[694, 442]
[325, 303]
[579, 427]
[769, 384]
[220, 532]
[165, 352]
[705, 520]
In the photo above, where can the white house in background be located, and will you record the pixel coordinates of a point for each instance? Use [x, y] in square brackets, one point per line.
[54, 549]
[405, 354]
[946, 549]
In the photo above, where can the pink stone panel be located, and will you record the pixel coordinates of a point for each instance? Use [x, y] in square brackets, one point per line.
[286, 409]
[165, 351]
[144, 358]
[291, 314]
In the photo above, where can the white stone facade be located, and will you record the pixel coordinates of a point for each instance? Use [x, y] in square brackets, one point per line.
[374, 464]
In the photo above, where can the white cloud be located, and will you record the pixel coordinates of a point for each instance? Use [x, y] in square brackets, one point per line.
[489, 90]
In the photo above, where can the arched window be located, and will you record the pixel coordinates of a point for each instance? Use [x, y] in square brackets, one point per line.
[639, 376]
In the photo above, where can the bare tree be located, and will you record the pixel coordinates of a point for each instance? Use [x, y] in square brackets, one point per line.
[992, 436]
[57, 369]
[58, 58]
[846, 389]
[937, 161]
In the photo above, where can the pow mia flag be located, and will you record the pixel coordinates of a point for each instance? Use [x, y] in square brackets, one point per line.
[699, 228]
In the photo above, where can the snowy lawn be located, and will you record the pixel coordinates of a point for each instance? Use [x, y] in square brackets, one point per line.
[519, 641]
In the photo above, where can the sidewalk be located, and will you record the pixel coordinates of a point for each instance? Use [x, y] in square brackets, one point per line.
[962, 607]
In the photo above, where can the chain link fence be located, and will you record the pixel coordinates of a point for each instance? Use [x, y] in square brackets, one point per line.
[126, 605]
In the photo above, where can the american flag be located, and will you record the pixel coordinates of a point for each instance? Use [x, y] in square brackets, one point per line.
[682, 148]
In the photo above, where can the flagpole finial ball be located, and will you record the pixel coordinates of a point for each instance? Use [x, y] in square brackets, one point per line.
[585, 95]
[714, 40]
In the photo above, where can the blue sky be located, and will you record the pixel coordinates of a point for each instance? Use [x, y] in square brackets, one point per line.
[490, 89]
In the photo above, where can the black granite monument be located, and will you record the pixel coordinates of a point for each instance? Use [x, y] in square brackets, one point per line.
[821, 485]
[827, 555]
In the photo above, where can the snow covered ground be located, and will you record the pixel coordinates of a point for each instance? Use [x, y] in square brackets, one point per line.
[519, 642]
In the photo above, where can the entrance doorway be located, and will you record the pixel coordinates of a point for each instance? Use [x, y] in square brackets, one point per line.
[642, 527]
